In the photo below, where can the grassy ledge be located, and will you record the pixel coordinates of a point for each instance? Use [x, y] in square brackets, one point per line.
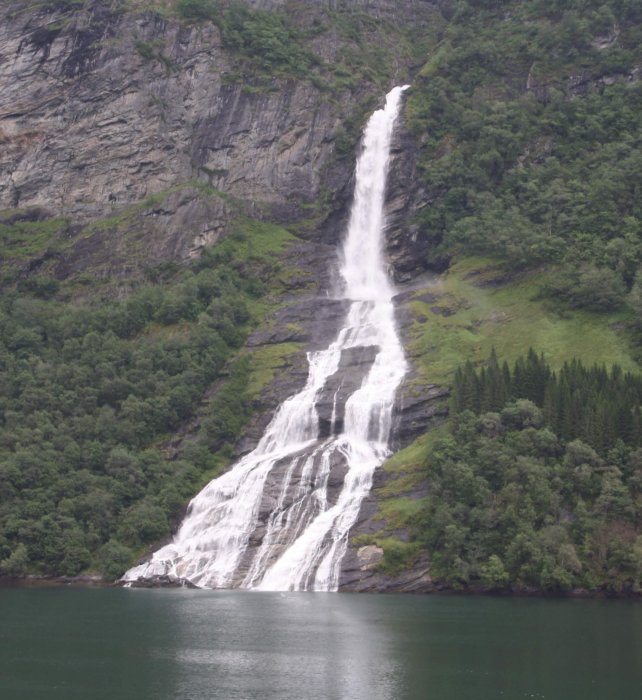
[476, 306]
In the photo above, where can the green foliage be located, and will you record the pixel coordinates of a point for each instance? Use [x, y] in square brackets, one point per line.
[529, 137]
[144, 523]
[599, 407]
[279, 43]
[114, 559]
[145, 49]
[589, 287]
[510, 504]
[267, 40]
[198, 10]
[17, 563]
[352, 127]
[493, 574]
[539, 483]
[88, 396]
[27, 233]
[153, 51]
[397, 555]
[229, 410]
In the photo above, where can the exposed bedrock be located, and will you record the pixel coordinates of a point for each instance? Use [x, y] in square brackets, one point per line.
[90, 123]
[293, 496]
[101, 109]
[410, 248]
[361, 572]
[354, 366]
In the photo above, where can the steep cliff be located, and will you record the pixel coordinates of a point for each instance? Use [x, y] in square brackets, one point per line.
[104, 106]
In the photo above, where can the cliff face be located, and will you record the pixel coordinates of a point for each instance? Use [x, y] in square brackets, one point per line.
[102, 108]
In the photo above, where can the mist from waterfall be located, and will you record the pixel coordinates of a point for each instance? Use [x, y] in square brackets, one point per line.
[226, 539]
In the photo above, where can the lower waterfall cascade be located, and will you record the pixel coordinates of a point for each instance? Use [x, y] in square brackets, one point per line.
[295, 535]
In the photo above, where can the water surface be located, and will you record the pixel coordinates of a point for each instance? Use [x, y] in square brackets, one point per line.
[63, 644]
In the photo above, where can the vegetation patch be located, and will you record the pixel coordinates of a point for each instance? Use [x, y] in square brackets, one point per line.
[509, 317]
[412, 458]
[511, 504]
[400, 484]
[153, 51]
[22, 238]
[268, 43]
[600, 407]
[266, 361]
[398, 555]
[400, 512]
[91, 393]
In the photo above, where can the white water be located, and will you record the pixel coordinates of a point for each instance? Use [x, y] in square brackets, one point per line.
[306, 534]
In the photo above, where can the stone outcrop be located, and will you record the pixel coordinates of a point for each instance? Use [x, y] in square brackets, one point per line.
[410, 249]
[91, 123]
[362, 573]
[354, 366]
[162, 582]
[103, 108]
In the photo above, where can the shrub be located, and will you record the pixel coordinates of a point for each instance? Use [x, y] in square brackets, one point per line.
[114, 559]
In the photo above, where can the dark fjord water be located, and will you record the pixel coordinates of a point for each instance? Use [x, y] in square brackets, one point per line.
[63, 644]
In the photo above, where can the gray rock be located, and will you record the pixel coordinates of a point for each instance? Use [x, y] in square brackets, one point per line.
[369, 557]
[356, 577]
[102, 108]
[354, 365]
[163, 581]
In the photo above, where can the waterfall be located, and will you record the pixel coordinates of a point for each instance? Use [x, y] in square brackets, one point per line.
[272, 522]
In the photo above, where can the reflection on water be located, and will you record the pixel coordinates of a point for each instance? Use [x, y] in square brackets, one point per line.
[282, 645]
[223, 645]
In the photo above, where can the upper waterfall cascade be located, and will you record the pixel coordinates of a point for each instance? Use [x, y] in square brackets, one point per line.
[294, 534]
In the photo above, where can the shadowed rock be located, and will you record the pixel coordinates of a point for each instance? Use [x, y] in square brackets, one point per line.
[354, 365]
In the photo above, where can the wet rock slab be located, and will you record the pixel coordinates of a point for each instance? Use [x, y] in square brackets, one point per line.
[354, 366]
[164, 581]
[361, 572]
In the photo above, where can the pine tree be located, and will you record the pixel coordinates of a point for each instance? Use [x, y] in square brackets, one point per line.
[591, 403]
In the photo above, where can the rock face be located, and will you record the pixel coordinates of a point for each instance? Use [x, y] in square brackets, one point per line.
[410, 249]
[92, 123]
[103, 108]
[407, 251]
[354, 366]
[361, 573]
[162, 582]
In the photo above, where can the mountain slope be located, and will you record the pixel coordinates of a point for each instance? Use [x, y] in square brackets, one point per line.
[176, 174]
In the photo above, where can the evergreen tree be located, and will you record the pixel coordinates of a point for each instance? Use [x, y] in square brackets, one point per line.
[594, 404]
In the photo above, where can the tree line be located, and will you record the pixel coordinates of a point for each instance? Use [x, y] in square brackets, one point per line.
[595, 404]
[538, 483]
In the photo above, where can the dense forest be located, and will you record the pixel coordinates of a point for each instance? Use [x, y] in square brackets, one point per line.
[90, 395]
[546, 172]
[527, 123]
[539, 484]
[598, 406]
[513, 505]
